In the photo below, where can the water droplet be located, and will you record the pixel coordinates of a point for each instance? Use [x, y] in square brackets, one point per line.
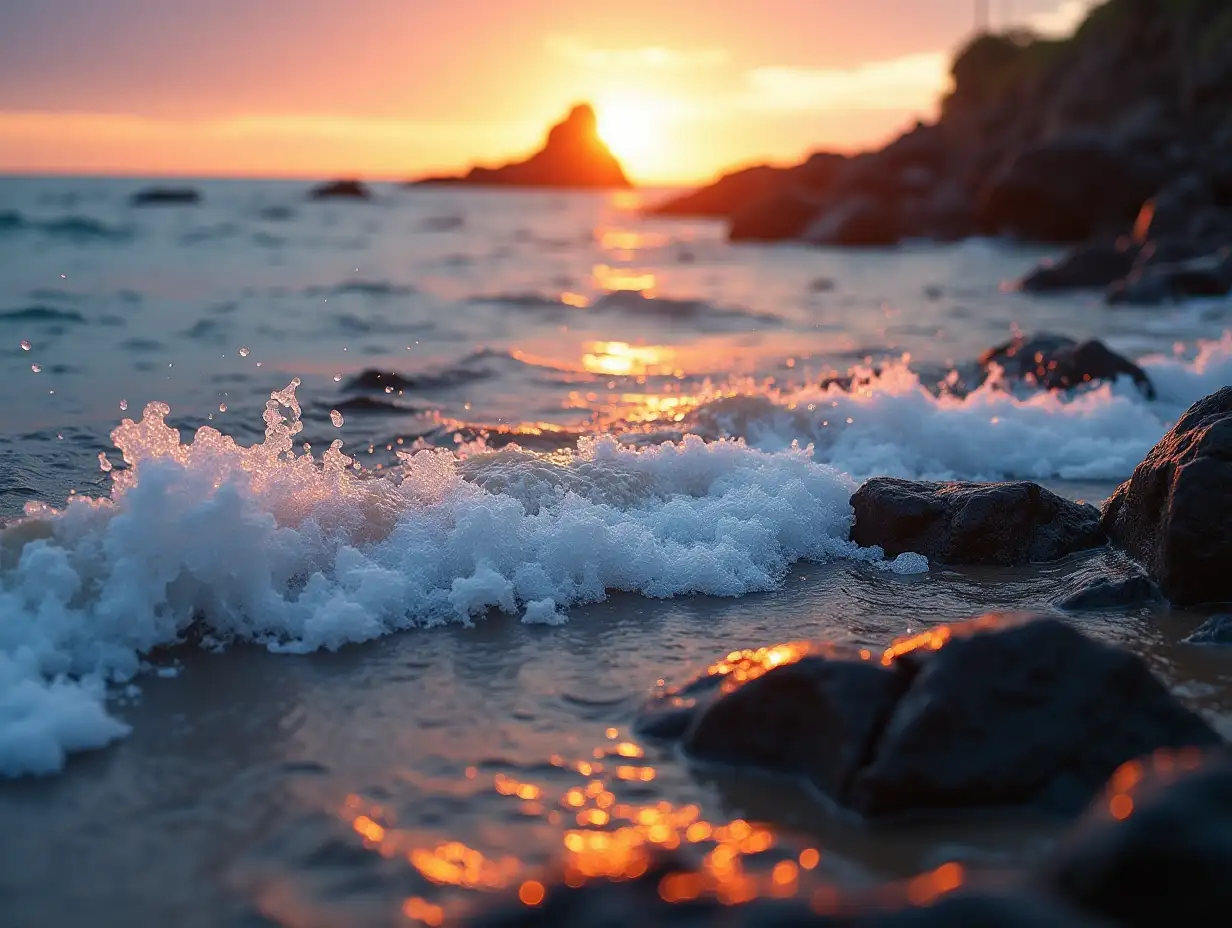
[337, 377]
[103, 464]
[307, 446]
[123, 404]
[222, 407]
[258, 364]
[335, 417]
[389, 389]
[243, 352]
[60, 436]
[36, 367]
[25, 344]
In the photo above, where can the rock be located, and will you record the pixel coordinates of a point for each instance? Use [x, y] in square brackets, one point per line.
[1215, 630]
[1056, 362]
[1153, 852]
[814, 718]
[1111, 593]
[1172, 515]
[822, 285]
[572, 156]
[340, 190]
[1097, 264]
[1153, 283]
[859, 221]
[1034, 714]
[165, 196]
[1168, 213]
[972, 523]
[781, 216]
[1067, 190]
[740, 190]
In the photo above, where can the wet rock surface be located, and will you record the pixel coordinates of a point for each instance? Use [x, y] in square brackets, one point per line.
[972, 523]
[1217, 630]
[1056, 362]
[993, 713]
[1112, 593]
[1173, 514]
[1096, 265]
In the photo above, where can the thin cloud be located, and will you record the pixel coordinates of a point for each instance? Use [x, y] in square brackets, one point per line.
[644, 58]
[913, 82]
[1063, 20]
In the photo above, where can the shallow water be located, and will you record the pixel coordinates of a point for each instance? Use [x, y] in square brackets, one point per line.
[242, 790]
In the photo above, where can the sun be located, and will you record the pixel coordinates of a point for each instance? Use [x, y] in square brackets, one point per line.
[629, 127]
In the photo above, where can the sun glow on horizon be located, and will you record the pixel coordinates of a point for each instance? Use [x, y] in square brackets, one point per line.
[632, 128]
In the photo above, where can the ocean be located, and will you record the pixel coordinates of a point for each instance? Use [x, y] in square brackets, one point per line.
[342, 540]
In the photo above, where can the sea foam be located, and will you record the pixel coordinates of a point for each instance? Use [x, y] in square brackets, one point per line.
[225, 543]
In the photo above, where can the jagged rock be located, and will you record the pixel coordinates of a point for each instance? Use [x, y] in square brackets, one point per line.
[972, 523]
[572, 156]
[1066, 190]
[1035, 714]
[1111, 593]
[782, 216]
[859, 221]
[1056, 362]
[340, 190]
[1153, 852]
[165, 196]
[1215, 630]
[1172, 515]
[1093, 265]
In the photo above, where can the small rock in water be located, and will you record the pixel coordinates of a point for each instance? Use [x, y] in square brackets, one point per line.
[1215, 630]
[1110, 592]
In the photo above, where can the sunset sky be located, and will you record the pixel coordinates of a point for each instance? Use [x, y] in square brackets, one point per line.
[396, 88]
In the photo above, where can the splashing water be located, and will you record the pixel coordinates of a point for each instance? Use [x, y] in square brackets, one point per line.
[336, 418]
[36, 368]
[244, 352]
[124, 405]
[25, 344]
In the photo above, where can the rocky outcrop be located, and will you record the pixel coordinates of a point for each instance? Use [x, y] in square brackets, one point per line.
[972, 523]
[572, 156]
[340, 190]
[165, 196]
[996, 712]
[1095, 265]
[1056, 362]
[1173, 514]
[1111, 593]
[741, 190]
[1217, 630]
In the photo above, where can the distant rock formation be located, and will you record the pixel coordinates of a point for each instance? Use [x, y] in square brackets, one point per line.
[572, 156]
[340, 190]
[165, 196]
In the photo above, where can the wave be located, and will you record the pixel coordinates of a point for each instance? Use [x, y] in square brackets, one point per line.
[71, 228]
[422, 382]
[372, 288]
[215, 542]
[41, 314]
[701, 314]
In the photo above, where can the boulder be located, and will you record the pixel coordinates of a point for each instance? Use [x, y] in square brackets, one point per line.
[781, 216]
[1093, 265]
[340, 190]
[858, 221]
[740, 190]
[1067, 190]
[571, 156]
[972, 523]
[1156, 849]
[1172, 515]
[165, 196]
[1154, 282]
[1168, 214]
[1215, 630]
[1056, 362]
[1034, 714]
[1111, 593]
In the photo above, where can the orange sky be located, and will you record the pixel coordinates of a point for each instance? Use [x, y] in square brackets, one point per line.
[396, 88]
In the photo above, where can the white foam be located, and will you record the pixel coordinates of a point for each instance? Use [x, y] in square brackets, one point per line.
[263, 545]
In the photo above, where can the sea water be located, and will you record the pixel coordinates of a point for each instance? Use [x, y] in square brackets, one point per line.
[344, 538]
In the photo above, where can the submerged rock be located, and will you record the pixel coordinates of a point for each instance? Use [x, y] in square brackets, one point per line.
[1215, 630]
[1151, 852]
[1173, 514]
[1111, 593]
[340, 190]
[1056, 362]
[989, 713]
[572, 156]
[972, 523]
[165, 196]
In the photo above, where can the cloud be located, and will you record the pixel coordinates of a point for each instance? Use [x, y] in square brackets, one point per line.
[1062, 20]
[913, 82]
[645, 58]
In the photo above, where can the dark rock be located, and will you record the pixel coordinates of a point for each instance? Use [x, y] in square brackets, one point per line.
[741, 190]
[972, 910]
[340, 190]
[276, 213]
[1033, 714]
[859, 221]
[1215, 630]
[1166, 861]
[815, 718]
[822, 285]
[1056, 362]
[572, 156]
[165, 196]
[972, 523]
[1067, 190]
[1110, 593]
[1172, 515]
[1097, 264]
[781, 216]
[1169, 212]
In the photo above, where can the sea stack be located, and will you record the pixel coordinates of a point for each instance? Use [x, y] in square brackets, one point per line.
[572, 156]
